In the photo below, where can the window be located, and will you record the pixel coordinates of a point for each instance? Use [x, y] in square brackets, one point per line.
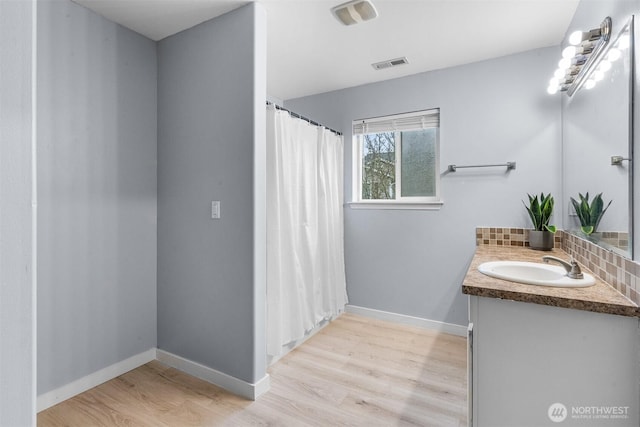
[396, 161]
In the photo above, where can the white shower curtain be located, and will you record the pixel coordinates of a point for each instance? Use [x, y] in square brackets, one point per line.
[305, 241]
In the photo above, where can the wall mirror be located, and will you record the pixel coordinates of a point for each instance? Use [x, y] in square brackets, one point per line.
[597, 124]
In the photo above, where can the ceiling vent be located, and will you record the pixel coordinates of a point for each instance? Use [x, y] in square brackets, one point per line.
[354, 12]
[390, 63]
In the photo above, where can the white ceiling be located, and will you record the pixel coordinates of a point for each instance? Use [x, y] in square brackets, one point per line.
[310, 52]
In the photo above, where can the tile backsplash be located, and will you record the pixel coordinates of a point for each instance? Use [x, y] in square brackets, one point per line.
[620, 272]
[496, 236]
[616, 239]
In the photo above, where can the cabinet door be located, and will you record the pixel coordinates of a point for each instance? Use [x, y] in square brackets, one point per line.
[529, 359]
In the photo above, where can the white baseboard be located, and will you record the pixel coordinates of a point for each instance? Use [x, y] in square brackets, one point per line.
[232, 384]
[53, 397]
[227, 382]
[435, 325]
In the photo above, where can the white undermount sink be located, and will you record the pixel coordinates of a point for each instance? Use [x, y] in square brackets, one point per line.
[532, 273]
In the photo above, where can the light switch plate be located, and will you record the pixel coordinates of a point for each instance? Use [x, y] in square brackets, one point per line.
[215, 209]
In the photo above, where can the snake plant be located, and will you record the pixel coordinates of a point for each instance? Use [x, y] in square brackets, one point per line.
[589, 214]
[540, 212]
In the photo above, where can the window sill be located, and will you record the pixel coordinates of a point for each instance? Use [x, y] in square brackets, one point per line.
[425, 206]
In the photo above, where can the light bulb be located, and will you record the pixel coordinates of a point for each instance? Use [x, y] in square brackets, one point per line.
[614, 54]
[575, 38]
[569, 52]
[552, 89]
[598, 75]
[604, 66]
[559, 73]
[623, 42]
[564, 63]
[589, 84]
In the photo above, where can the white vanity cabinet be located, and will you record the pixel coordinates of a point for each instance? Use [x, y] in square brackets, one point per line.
[529, 361]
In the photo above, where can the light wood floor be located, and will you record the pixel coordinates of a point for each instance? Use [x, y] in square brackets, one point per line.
[355, 372]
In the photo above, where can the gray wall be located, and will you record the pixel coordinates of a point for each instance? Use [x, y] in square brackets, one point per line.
[97, 193]
[17, 328]
[413, 262]
[211, 95]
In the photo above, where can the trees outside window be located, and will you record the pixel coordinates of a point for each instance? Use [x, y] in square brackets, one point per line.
[398, 164]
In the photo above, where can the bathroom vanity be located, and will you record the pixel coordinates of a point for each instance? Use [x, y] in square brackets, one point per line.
[542, 355]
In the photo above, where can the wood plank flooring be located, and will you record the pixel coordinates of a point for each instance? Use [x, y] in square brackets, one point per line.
[355, 372]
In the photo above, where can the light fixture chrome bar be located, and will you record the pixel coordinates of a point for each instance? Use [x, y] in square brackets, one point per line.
[509, 166]
[581, 63]
[594, 57]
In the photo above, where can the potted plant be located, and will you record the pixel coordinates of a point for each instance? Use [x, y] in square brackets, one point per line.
[542, 235]
[589, 214]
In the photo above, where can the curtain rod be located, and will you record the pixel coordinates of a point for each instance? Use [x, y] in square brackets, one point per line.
[298, 116]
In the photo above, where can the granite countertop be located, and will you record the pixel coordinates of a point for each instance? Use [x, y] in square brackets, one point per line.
[599, 298]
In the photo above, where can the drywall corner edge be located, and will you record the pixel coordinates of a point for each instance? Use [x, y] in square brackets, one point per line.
[220, 379]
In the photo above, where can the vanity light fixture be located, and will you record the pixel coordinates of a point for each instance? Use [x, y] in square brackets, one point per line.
[354, 12]
[584, 62]
[578, 37]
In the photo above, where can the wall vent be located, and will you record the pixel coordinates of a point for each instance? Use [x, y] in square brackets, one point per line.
[390, 63]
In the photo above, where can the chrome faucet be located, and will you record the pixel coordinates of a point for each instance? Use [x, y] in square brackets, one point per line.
[572, 267]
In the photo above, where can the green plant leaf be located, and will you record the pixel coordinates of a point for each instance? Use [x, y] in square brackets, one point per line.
[576, 206]
[540, 210]
[602, 213]
[551, 228]
[587, 229]
[596, 208]
[546, 208]
[589, 213]
[584, 211]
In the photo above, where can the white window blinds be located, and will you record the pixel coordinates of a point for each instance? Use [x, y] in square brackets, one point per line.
[400, 122]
